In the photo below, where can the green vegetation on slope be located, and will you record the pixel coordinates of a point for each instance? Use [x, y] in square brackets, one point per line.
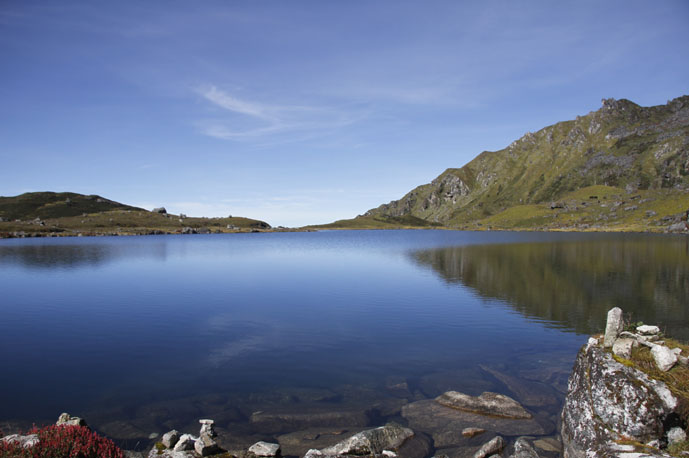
[620, 151]
[48, 213]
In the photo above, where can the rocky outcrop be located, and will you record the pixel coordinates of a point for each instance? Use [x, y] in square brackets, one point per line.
[608, 402]
[383, 441]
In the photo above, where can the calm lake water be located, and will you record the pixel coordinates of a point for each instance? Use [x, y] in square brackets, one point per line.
[142, 334]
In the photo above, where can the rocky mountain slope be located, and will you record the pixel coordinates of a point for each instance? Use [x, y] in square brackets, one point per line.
[620, 149]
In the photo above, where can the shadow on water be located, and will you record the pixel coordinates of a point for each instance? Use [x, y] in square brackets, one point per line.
[572, 284]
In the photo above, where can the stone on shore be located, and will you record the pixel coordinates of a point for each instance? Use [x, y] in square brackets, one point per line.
[372, 441]
[495, 445]
[67, 419]
[647, 330]
[487, 403]
[170, 438]
[185, 442]
[623, 347]
[207, 428]
[613, 326]
[262, 448]
[205, 446]
[664, 358]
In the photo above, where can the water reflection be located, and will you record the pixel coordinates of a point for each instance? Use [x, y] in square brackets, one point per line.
[51, 254]
[572, 284]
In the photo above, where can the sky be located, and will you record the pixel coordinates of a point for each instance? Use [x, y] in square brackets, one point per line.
[305, 111]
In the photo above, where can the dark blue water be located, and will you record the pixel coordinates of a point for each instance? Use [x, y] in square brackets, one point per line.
[103, 326]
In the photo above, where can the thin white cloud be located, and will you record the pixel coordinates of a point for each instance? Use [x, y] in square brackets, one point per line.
[255, 120]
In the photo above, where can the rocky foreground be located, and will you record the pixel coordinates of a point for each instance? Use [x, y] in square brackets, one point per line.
[627, 397]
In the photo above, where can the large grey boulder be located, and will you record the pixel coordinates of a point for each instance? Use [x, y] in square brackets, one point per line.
[160, 210]
[372, 441]
[613, 326]
[487, 403]
[608, 401]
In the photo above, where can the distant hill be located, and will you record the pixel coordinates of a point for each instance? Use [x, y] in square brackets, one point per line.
[56, 205]
[562, 175]
[67, 213]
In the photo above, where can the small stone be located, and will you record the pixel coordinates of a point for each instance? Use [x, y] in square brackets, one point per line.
[170, 438]
[67, 419]
[647, 330]
[664, 358]
[207, 428]
[522, 449]
[495, 445]
[471, 432]
[265, 449]
[613, 326]
[623, 347]
[675, 435]
[185, 442]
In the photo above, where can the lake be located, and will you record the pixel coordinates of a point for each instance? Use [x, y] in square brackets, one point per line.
[142, 334]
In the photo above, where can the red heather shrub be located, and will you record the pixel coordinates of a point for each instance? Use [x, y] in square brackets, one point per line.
[64, 442]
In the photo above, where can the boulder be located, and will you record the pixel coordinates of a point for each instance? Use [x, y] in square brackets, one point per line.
[613, 326]
[170, 438]
[265, 449]
[205, 446]
[495, 445]
[372, 441]
[487, 403]
[160, 210]
[623, 347]
[608, 401]
[664, 358]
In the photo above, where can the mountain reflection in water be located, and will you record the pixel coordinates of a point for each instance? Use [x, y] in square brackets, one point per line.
[572, 284]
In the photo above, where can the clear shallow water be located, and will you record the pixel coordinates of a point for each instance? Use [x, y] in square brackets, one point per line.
[141, 334]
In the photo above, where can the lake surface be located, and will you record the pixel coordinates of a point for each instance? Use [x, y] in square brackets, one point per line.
[142, 334]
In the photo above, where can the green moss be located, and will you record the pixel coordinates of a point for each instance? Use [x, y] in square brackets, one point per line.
[160, 447]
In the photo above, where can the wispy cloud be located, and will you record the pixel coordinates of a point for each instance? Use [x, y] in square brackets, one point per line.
[251, 119]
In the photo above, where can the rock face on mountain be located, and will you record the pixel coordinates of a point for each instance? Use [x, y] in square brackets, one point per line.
[622, 144]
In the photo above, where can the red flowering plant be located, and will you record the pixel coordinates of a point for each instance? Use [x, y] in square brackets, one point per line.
[63, 441]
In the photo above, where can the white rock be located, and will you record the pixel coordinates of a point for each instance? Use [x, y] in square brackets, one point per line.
[27, 441]
[647, 330]
[613, 326]
[389, 453]
[207, 428]
[185, 442]
[264, 449]
[170, 438]
[623, 347]
[676, 435]
[495, 445]
[664, 357]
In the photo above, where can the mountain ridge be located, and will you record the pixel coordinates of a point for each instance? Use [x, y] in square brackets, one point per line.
[620, 146]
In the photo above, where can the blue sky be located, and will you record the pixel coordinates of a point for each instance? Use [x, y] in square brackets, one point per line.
[300, 112]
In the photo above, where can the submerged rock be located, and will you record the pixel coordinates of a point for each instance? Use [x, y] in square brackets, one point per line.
[487, 403]
[471, 432]
[528, 392]
[608, 401]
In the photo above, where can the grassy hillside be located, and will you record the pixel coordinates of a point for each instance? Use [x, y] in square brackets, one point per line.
[62, 214]
[618, 152]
